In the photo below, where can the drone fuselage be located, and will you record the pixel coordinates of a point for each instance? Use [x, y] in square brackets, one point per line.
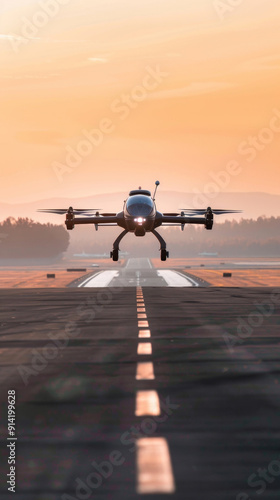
[139, 212]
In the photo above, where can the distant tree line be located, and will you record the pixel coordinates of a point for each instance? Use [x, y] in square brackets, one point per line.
[249, 237]
[24, 238]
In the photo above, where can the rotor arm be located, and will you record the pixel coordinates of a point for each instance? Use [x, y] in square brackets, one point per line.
[95, 220]
[178, 219]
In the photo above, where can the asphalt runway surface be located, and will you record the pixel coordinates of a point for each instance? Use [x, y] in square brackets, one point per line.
[142, 392]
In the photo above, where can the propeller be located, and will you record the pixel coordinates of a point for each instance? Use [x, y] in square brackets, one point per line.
[202, 211]
[63, 211]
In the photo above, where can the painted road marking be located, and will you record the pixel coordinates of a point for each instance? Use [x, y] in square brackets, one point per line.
[143, 324]
[141, 315]
[173, 278]
[101, 279]
[144, 348]
[145, 371]
[143, 334]
[154, 469]
[147, 403]
[141, 309]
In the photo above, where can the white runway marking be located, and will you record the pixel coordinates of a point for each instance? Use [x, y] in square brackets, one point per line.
[173, 278]
[144, 348]
[143, 324]
[143, 334]
[154, 469]
[147, 403]
[101, 279]
[145, 371]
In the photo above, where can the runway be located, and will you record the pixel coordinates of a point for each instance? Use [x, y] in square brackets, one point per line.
[142, 392]
[138, 272]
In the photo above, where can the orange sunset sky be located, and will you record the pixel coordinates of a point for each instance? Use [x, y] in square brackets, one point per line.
[172, 89]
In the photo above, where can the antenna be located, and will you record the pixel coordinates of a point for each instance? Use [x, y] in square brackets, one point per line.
[157, 184]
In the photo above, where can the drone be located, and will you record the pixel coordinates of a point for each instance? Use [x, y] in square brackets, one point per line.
[139, 216]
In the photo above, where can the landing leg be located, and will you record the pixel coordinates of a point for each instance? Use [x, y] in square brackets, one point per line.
[163, 252]
[115, 253]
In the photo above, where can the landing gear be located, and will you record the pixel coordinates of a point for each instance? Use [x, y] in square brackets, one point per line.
[164, 254]
[115, 253]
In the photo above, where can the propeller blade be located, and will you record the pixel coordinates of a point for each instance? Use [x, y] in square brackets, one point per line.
[86, 209]
[63, 211]
[221, 212]
[52, 211]
[216, 211]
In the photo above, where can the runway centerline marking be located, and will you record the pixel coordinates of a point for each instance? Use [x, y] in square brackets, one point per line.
[154, 469]
[145, 371]
[147, 403]
[143, 334]
[143, 323]
[144, 348]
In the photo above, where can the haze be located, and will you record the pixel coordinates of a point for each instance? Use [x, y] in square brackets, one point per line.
[213, 83]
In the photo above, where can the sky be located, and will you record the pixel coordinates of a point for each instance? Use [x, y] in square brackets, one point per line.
[101, 96]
